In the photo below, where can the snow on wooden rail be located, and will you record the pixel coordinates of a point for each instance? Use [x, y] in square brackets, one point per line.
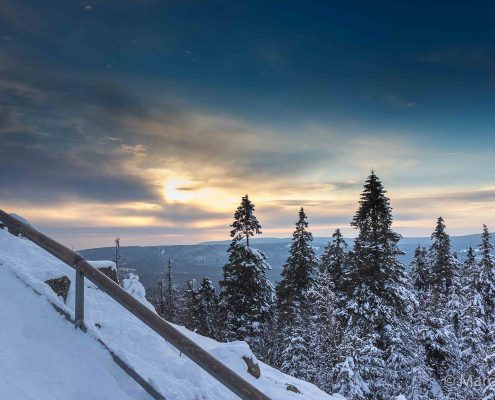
[210, 364]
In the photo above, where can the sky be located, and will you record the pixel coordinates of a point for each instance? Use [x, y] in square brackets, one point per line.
[149, 119]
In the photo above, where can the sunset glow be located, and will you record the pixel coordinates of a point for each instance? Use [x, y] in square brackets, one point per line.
[158, 148]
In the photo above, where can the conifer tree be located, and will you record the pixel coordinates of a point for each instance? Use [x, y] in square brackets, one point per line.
[166, 298]
[487, 278]
[348, 379]
[206, 309]
[293, 295]
[325, 331]
[443, 263]
[323, 325]
[169, 296]
[188, 300]
[247, 296]
[245, 223]
[333, 258]
[441, 330]
[121, 263]
[489, 387]
[298, 271]
[420, 272]
[423, 383]
[473, 328]
[378, 338]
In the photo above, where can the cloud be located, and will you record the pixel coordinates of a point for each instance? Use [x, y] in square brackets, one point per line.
[45, 175]
[137, 150]
[463, 197]
[108, 145]
[344, 185]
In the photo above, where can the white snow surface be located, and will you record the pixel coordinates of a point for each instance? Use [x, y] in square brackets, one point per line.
[21, 219]
[43, 357]
[136, 289]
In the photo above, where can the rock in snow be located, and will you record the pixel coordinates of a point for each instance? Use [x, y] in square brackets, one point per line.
[108, 268]
[43, 357]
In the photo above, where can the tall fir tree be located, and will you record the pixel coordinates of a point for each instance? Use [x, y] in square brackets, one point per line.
[441, 329]
[247, 296]
[293, 294]
[205, 321]
[473, 327]
[298, 270]
[420, 272]
[489, 384]
[323, 325]
[166, 297]
[170, 296]
[325, 331]
[487, 278]
[333, 258]
[378, 337]
[123, 270]
[188, 301]
[443, 262]
[423, 380]
[245, 223]
[487, 290]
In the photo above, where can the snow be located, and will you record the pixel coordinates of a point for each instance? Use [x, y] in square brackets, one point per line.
[21, 219]
[42, 354]
[136, 289]
[43, 357]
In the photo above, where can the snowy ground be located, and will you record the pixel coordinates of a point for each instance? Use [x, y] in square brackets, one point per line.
[42, 356]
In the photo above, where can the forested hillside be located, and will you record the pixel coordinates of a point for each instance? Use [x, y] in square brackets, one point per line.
[198, 260]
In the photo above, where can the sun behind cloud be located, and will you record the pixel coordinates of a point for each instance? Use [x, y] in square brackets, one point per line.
[178, 191]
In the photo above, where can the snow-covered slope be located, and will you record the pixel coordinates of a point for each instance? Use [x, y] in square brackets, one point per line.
[42, 356]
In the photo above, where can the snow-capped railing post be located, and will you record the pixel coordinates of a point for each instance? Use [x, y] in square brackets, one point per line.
[79, 308]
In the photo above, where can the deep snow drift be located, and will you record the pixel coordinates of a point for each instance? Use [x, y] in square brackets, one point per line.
[43, 357]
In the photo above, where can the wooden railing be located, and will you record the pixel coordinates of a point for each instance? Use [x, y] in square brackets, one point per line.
[210, 364]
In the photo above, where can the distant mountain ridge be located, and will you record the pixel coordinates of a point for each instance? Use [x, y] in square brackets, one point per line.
[207, 258]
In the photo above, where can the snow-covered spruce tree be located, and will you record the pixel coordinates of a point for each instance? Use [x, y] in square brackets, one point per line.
[245, 223]
[378, 343]
[333, 257]
[443, 264]
[489, 389]
[166, 297]
[441, 330]
[293, 307]
[298, 270]
[473, 327]
[247, 296]
[420, 272]
[170, 296]
[487, 289]
[205, 312]
[324, 331]
[188, 301]
[123, 270]
[487, 278]
[423, 380]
